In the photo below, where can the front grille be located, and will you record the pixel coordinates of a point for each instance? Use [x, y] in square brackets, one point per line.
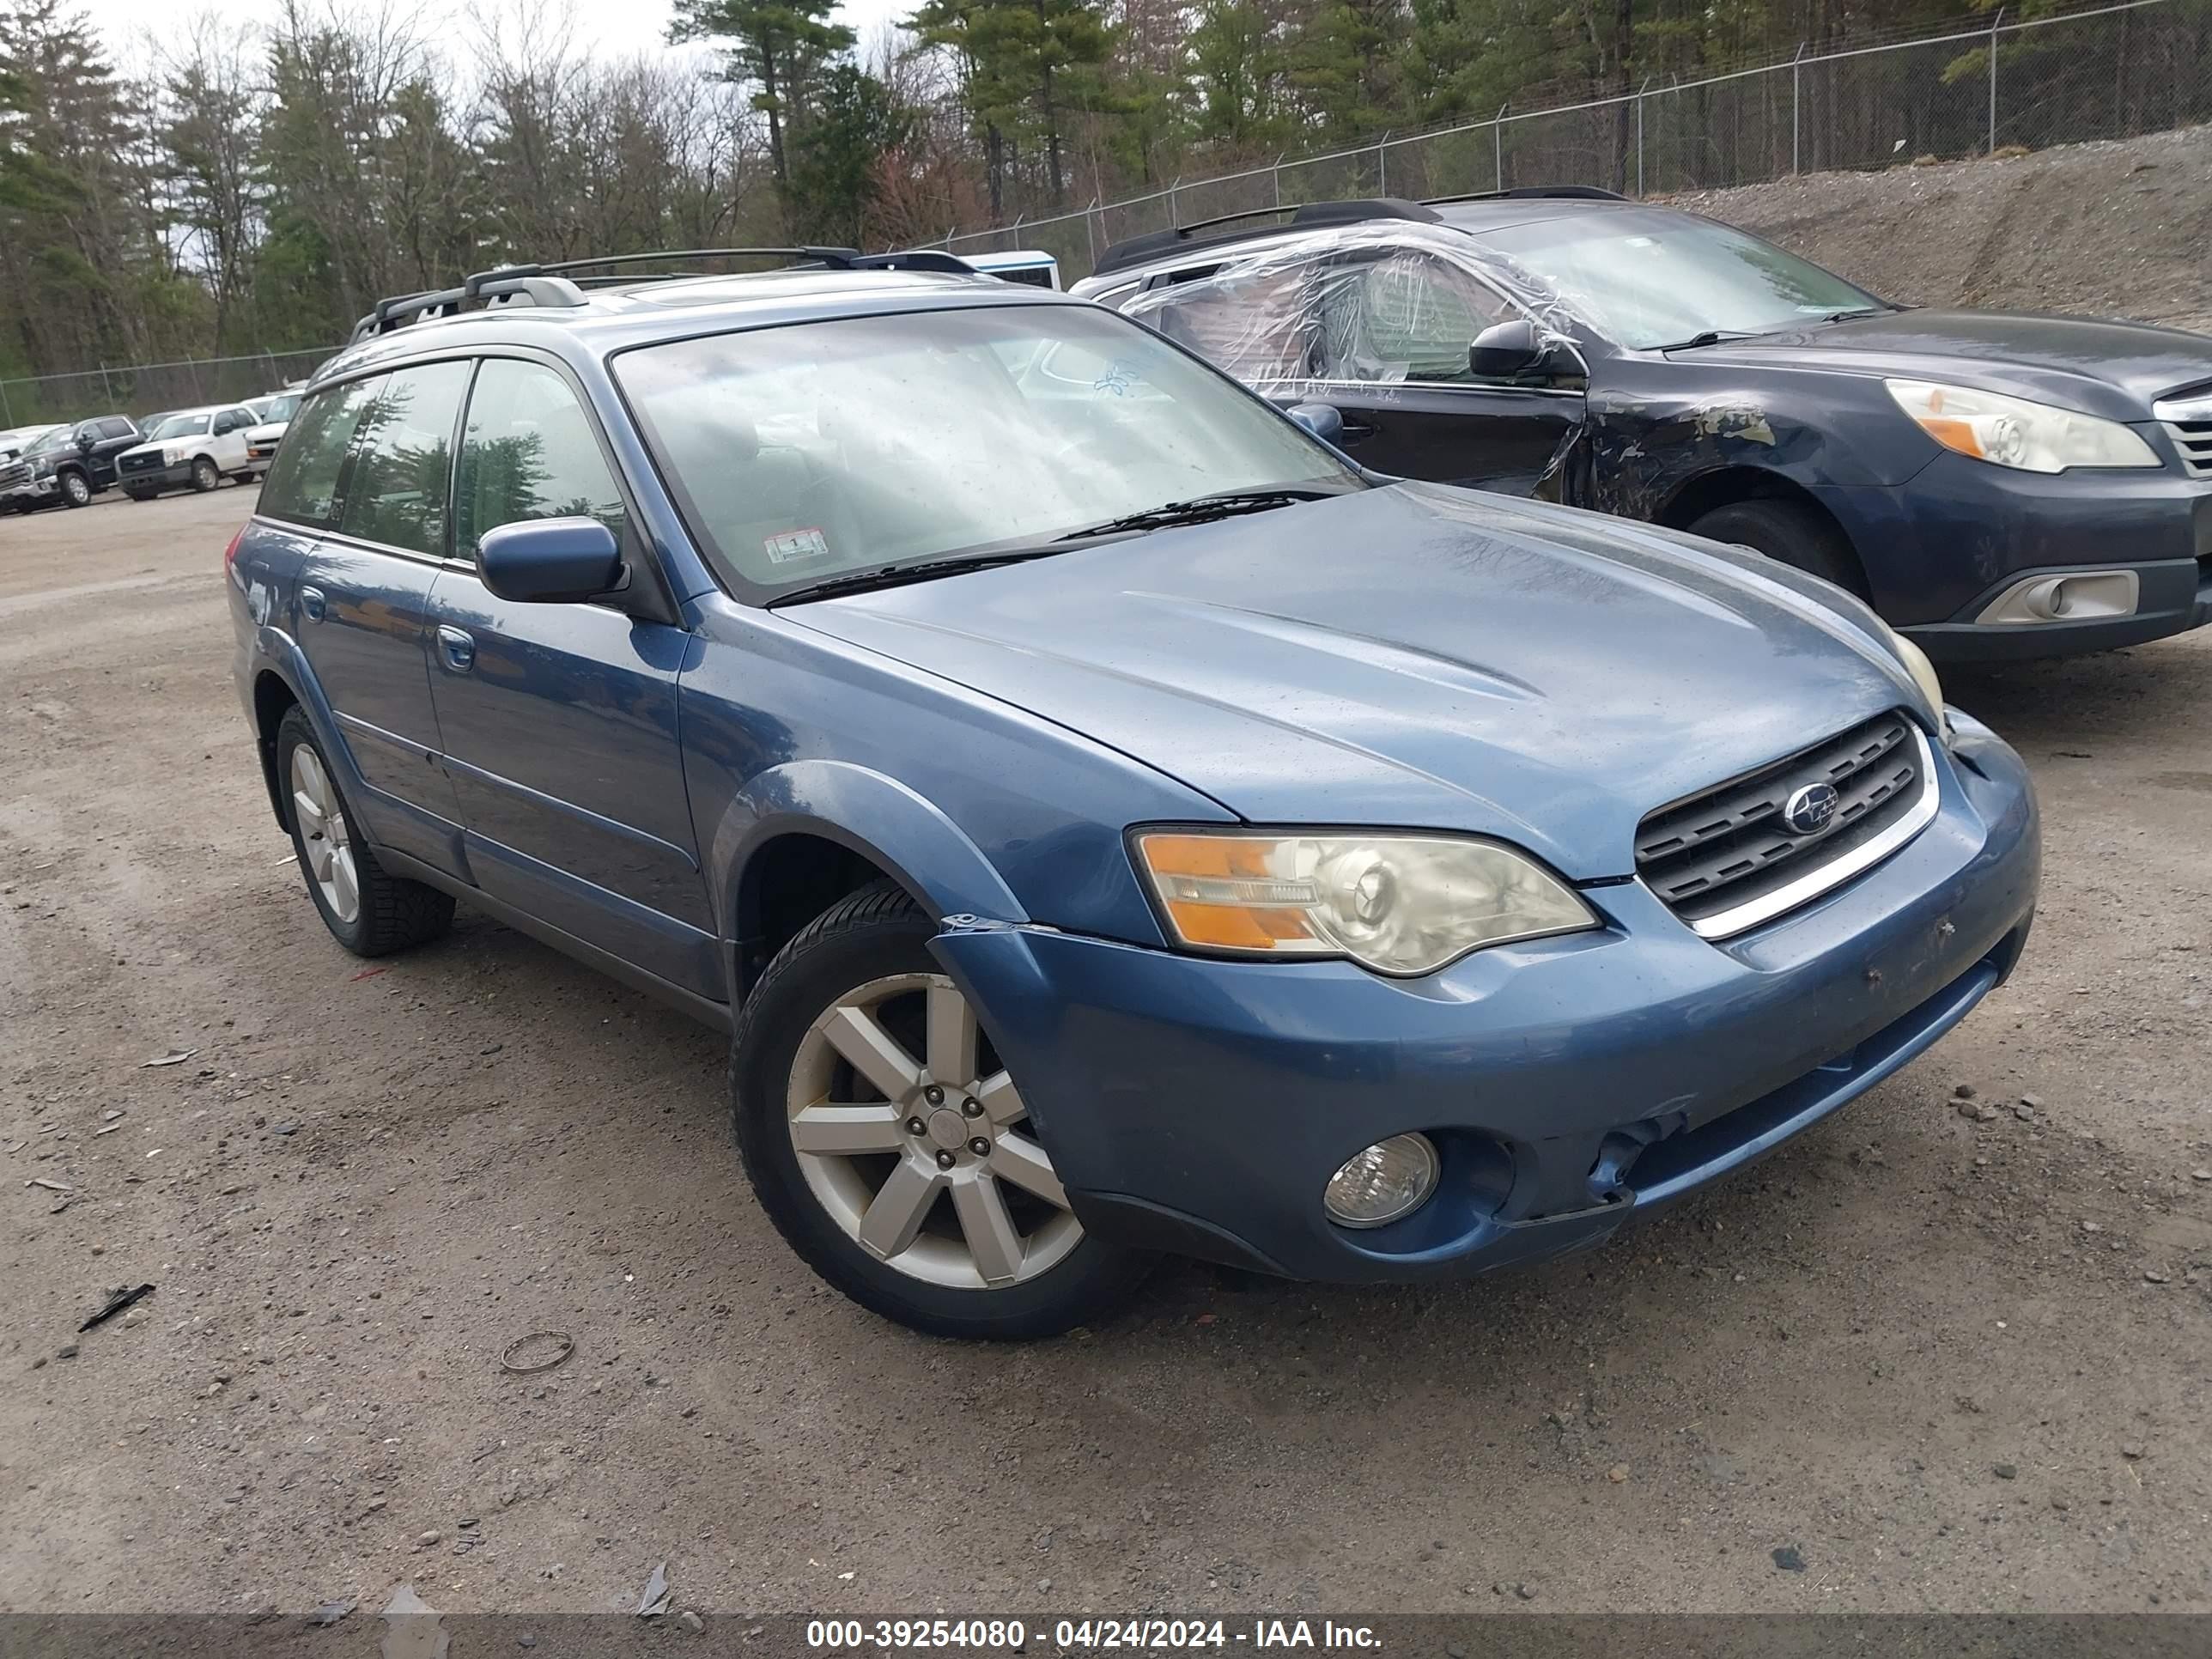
[2187, 418]
[1713, 855]
[20, 472]
[138, 463]
[2194, 440]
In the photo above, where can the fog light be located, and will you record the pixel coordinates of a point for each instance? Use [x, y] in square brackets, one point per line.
[1390, 1179]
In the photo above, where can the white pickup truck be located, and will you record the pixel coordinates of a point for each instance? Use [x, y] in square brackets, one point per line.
[190, 446]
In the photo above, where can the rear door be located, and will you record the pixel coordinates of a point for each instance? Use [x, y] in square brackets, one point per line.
[1391, 334]
[559, 720]
[363, 485]
[112, 435]
[231, 426]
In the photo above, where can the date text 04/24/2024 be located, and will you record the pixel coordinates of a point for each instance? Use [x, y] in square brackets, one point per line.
[1072, 1635]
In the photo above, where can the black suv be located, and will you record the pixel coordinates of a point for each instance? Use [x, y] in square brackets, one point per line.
[68, 465]
[1997, 485]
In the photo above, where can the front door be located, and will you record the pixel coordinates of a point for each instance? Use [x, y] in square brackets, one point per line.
[559, 720]
[1390, 335]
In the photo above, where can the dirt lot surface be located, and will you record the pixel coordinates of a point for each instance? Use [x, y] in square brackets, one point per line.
[1936, 1354]
[2115, 229]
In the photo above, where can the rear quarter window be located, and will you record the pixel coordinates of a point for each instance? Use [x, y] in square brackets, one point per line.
[302, 487]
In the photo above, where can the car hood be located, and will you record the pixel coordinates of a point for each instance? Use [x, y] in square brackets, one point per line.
[154, 447]
[266, 435]
[2108, 369]
[1416, 656]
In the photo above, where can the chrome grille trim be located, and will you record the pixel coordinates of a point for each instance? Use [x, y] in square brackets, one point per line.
[1834, 873]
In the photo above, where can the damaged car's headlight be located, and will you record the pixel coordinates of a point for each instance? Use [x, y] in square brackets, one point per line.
[1398, 904]
[1924, 676]
[2014, 432]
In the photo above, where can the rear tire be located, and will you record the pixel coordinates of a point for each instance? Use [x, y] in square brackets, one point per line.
[946, 1220]
[1789, 532]
[370, 912]
[204, 476]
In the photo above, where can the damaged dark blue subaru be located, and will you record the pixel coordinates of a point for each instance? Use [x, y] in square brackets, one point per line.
[1107, 822]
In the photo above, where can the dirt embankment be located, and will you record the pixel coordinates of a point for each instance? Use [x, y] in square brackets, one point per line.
[2118, 229]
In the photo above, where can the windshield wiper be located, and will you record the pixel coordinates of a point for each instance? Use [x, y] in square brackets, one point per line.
[897, 575]
[1201, 509]
[1845, 315]
[1711, 336]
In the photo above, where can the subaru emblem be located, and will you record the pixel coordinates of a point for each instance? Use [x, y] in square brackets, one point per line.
[1811, 810]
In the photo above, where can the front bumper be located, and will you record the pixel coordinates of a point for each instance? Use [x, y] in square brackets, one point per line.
[1939, 550]
[35, 491]
[156, 478]
[1569, 1083]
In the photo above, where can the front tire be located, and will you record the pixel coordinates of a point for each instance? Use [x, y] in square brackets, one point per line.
[204, 476]
[1789, 532]
[370, 912]
[889, 1146]
[76, 490]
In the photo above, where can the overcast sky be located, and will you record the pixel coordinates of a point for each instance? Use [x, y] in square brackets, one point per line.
[618, 29]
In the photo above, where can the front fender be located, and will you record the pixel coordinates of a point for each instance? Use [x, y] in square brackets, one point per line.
[874, 815]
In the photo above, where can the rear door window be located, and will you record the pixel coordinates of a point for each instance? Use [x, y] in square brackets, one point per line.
[529, 453]
[404, 459]
[303, 482]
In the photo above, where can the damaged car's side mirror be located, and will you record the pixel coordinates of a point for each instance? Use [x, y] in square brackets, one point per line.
[1507, 348]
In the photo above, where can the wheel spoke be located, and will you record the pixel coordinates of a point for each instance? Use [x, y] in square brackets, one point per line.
[1002, 1101]
[896, 1213]
[1021, 1161]
[308, 813]
[321, 858]
[336, 831]
[829, 1130]
[950, 1045]
[989, 1229]
[345, 883]
[873, 1052]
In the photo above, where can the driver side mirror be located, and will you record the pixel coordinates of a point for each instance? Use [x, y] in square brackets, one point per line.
[550, 561]
[1324, 421]
[1505, 349]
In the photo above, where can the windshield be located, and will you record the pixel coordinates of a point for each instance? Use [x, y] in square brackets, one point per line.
[270, 411]
[1647, 279]
[53, 438]
[823, 449]
[178, 425]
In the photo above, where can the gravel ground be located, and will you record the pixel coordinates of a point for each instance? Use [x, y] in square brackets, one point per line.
[2111, 230]
[1941, 1353]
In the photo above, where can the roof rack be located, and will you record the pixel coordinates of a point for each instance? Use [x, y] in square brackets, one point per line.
[1138, 250]
[1533, 192]
[543, 284]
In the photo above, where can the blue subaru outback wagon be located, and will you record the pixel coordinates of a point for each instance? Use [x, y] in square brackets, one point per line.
[1107, 822]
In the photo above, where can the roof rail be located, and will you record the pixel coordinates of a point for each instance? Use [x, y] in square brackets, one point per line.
[544, 284]
[1138, 250]
[1533, 192]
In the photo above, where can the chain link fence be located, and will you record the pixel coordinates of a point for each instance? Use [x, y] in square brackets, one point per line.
[2112, 72]
[142, 389]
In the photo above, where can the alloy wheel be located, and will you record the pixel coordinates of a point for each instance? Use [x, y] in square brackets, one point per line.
[911, 1136]
[74, 485]
[325, 839]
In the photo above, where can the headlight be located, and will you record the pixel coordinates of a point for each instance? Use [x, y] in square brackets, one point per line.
[171, 456]
[1398, 904]
[2014, 432]
[1923, 671]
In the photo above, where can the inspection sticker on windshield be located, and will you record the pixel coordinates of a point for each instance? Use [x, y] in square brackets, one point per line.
[793, 545]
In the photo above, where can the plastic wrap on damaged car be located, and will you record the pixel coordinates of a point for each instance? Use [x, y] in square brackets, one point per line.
[1379, 305]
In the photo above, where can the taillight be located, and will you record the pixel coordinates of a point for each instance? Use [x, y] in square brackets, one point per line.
[230, 553]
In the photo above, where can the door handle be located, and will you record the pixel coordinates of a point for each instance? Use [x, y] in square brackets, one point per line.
[1355, 430]
[458, 647]
[311, 602]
